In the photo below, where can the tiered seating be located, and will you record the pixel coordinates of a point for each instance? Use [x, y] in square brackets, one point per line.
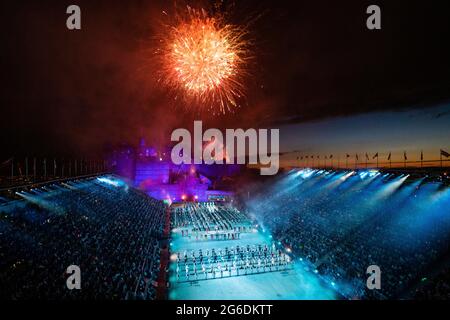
[110, 232]
[437, 289]
[342, 224]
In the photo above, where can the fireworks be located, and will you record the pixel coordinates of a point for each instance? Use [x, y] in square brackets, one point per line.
[203, 60]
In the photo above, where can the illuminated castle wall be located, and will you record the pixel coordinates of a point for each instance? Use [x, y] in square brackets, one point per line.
[151, 172]
[154, 173]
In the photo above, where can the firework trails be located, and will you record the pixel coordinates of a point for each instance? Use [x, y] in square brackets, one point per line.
[202, 60]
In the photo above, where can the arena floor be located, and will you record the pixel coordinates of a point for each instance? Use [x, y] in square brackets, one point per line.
[293, 284]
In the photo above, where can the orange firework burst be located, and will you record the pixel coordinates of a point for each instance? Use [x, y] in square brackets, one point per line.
[204, 59]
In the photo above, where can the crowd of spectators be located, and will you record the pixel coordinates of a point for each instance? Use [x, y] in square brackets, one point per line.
[111, 232]
[342, 223]
[438, 288]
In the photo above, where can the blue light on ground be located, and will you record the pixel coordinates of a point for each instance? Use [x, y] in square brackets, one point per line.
[293, 284]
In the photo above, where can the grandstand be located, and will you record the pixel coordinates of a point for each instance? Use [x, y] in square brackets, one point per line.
[111, 231]
[344, 221]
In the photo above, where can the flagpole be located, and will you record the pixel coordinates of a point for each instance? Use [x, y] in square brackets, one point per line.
[421, 158]
[26, 167]
[12, 168]
[404, 159]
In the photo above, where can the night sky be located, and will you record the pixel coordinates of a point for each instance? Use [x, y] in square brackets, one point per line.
[316, 71]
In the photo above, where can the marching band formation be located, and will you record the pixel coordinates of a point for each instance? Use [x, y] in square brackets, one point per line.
[208, 221]
[229, 262]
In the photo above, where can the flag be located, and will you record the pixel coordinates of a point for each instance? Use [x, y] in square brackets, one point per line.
[445, 154]
[375, 156]
[389, 156]
[357, 158]
[404, 155]
[331, 156]
[367, 156]
[421, 155]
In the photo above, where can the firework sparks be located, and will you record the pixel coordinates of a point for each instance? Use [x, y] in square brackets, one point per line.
[204, 59]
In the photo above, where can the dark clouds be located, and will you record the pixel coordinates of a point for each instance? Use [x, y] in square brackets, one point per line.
[330, 64]
[75, 92]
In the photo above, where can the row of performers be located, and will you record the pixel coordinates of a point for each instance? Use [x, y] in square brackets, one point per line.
[257, 265]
